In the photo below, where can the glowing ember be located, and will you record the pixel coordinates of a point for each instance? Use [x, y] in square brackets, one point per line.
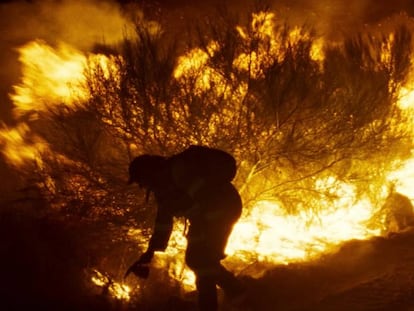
[117, 290]
[173, 257]
[316, 52]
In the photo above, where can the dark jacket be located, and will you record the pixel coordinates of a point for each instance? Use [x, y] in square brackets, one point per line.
[171, 202]
[212, 211]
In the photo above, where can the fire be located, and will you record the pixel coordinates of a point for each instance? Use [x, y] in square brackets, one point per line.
[406, 98]
[265, 232]
[263, 29]
[195, 64]
[268, 233]
[173, 257]
[50, 77]
[194, 61]
[316, 52]
[54, 77]
[403, 176]
[19, 146]
[117, 290]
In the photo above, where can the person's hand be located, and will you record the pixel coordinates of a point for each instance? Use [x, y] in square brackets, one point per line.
[146, 257]
[140, 267]
[141, 271]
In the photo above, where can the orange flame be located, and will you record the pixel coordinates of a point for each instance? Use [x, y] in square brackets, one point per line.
[19, 146]
[268, 233]
[403, 176]
[50, 77]
[265, 231]
[117, 290]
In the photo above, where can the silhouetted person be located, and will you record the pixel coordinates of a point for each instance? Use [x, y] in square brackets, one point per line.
[183, 185]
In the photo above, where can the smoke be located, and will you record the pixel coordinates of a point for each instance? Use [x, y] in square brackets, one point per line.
[78, 23]
[331, 19]
[81, 24]
[85, 24]
[335, 18]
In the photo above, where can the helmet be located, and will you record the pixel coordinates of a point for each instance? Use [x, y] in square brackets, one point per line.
[142, 169]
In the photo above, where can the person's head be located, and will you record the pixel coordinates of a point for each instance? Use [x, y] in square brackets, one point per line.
[145, 170]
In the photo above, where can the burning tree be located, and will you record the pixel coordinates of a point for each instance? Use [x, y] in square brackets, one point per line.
[293, 111]
[316, 126]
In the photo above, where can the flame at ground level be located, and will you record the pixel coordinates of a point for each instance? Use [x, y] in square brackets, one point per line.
[264, 233]
[268, 234]
[117, 290]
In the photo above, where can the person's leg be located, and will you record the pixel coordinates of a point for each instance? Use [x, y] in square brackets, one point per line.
[224, 209]
[207, 293]
[198, 260]
[228, 282]
[207, 238]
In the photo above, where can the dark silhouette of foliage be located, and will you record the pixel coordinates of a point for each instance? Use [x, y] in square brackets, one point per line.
[254, 89]
[250, 86]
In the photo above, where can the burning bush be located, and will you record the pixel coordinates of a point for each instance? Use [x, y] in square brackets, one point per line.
[260, 92]
[316, 126]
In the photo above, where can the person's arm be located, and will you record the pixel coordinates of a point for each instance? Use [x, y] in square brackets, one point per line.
[161, 233]
[158, 242]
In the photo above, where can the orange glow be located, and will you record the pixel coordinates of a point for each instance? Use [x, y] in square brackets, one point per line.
[53, 77]
[265, 232]
[19, 146]
[194, 64]
[406, 98]
[117, 290]
[263, 27]
[268, 233]
[403, 176]
[50, 77]
[316, 52]
[173, 257]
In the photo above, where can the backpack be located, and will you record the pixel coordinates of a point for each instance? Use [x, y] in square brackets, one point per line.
[199, 165]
